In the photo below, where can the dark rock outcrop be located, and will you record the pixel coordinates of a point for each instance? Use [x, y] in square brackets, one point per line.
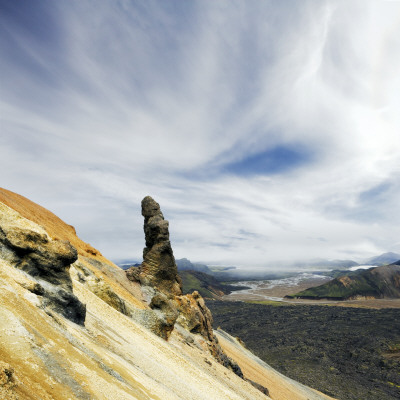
[40, 256]
[158, 269]
[66, 304]
[158, 273]
[47, 261]
[261, 388]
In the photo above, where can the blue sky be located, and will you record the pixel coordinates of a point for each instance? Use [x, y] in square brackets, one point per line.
[268, 131]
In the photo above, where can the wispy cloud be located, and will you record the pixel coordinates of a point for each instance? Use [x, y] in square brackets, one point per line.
[259, 127]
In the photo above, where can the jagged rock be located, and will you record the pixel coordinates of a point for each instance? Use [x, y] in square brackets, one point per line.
[28, 247]
[158, 268]
[160, 318]
[133, 274]
[40, 256]
[194, 315]
[223, 359]
[170, 314]
[66, 304]
[261, 388]
[7, 378]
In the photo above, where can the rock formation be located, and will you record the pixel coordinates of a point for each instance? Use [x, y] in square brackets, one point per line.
[162, 285]
[158, 273]
[7, 382]
[158, 269]
[194, 315]
[29, 248]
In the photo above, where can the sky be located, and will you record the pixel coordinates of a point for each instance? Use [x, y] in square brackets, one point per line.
[268, 131]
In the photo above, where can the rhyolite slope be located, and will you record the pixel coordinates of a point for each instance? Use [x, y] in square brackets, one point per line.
[118, 349]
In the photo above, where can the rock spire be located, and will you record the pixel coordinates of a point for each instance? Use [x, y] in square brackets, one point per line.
[158, 269]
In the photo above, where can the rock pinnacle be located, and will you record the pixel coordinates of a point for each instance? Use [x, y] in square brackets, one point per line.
[158, 269]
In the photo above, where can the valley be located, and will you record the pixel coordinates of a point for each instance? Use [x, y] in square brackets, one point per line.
[274, 289]
[348, 353]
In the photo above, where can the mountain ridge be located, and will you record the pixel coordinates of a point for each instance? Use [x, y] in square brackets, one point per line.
[385, 258]
[376, 282]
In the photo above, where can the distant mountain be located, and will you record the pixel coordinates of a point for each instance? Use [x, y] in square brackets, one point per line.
[379, 282]
[126, 264]
[184, 264]
[205, 284]
[385, 258]
[323, 263]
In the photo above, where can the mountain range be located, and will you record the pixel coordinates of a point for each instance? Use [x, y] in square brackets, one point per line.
[376, 283]
[385, 258]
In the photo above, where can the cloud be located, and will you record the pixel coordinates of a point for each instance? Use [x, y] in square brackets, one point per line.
[259, 127]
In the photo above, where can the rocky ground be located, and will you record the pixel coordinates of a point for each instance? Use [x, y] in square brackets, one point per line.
[348, 353]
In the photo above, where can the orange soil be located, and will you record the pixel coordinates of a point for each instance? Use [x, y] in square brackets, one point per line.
[54, 226]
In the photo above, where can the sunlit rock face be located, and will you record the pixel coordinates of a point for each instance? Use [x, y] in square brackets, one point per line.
[158, 269]
[194, 315]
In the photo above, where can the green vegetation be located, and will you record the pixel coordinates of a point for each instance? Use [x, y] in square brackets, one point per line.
[394, 348]
[205, 284]
[376, 282]
[341, 289]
